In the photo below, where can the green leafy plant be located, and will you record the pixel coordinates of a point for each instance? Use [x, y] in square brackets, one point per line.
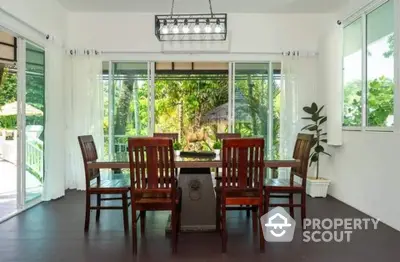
[177, 145]
[217, 145]
[319, 138]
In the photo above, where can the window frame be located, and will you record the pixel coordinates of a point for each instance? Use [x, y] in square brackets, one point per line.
[362, 14]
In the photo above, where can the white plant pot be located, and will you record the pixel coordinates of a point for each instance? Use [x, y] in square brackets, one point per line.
[217, 151]
[317, 187]
[177, 152]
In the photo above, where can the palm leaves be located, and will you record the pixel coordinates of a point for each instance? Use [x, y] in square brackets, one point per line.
[317, 120]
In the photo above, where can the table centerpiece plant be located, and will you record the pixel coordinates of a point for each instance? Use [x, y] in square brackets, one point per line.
[217, 147]
[177, 148]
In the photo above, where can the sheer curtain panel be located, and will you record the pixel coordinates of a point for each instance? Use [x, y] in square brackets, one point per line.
[298, 90]
[85, 114]
[54, 180]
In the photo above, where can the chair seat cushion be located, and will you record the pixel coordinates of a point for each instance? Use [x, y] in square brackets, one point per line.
[282, 184]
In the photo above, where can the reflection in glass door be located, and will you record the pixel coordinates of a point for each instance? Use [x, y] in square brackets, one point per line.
[255, 103]
[34, 121]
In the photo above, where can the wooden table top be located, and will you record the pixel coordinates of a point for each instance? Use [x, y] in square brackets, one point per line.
[189, 162]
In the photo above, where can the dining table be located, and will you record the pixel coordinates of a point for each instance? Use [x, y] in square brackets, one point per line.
[197, 183]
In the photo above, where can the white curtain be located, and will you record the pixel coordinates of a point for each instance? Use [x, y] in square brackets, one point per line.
[85, 112]
[298, 89]
[331, 81]
[54, 183]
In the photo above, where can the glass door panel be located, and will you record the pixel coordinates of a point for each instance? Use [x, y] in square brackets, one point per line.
[128, 105]
[256, 103]
[8, 128]
[250, 105]
[34, 121]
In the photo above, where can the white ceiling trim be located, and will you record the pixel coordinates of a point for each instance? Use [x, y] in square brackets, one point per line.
[201, 6]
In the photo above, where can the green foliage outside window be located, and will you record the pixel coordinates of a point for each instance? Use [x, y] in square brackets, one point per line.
[182, 104]
[8, 94]
[380, 98]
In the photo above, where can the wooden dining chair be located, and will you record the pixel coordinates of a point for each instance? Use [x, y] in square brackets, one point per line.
[154, 184]
[101, 187]
[221, 136]
[286, 188]
[242, 176]
[173, 136]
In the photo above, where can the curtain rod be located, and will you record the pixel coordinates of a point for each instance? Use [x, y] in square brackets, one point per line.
[284, 53]
[47, 36]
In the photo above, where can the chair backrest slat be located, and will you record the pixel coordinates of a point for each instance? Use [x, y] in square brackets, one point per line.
[163, 166]
[251, 169]
[89, 154]
[242, 163]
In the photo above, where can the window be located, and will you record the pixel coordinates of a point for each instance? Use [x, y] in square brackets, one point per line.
[368, 74]
[352, 74]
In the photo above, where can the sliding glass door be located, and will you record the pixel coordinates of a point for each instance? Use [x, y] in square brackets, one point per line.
[34, 121]
[250, 106]
[22, 125]
[126, 104]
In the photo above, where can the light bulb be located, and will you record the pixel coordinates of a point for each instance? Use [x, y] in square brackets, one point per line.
[175, 29]
[196, 29]
[164, 29]
[218, 27]
[185, 28]
[208, 27]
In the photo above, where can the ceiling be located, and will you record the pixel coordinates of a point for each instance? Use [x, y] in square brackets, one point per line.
[201, 6]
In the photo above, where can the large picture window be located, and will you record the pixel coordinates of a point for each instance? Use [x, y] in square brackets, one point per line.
[368, 69]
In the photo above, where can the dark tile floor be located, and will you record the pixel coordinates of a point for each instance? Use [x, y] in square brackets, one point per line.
[8, 206]
[53, 232]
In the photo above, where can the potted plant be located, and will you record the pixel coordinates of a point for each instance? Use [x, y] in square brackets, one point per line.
[177, 148]
[316, 186]
[217, 147]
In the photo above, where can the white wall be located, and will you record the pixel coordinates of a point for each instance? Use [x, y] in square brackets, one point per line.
[50, 18]
[364, 170]
[46, 15]
[249, 32]
[365, 174]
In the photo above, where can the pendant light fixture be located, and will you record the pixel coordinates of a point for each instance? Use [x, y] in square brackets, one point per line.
[191, 27]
